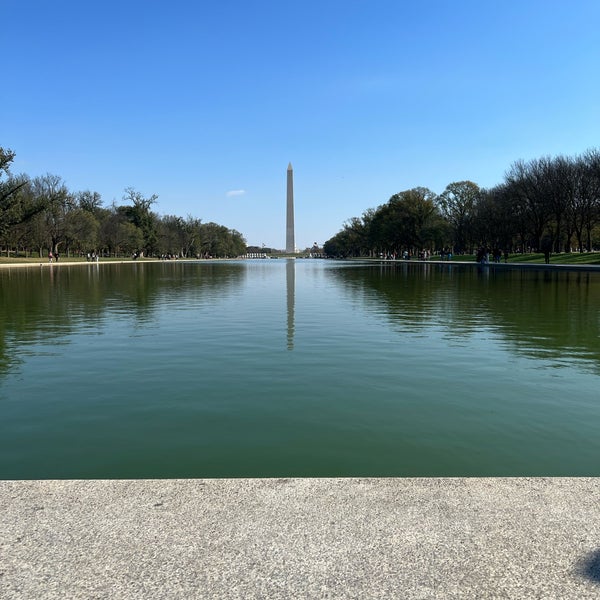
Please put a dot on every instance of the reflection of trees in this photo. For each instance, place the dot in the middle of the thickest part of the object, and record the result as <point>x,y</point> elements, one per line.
<point>43,305</point>
<point>550,313</point>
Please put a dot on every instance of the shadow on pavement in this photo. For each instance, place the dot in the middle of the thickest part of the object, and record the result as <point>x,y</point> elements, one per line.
<point>590,567</point>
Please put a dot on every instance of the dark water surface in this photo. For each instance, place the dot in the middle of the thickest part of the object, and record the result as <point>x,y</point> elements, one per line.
<point>298,368</point>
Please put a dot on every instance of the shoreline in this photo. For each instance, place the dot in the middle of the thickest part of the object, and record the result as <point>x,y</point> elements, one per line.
<point>491,265</point>
<point>46,264</point>
<point>511,265</point>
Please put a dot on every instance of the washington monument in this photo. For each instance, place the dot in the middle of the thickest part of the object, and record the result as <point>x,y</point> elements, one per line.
<point>290,243</point>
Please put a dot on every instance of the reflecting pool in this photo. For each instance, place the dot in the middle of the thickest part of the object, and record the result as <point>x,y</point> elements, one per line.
<point>298,368</point>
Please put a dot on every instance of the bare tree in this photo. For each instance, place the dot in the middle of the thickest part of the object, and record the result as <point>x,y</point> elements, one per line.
<point>527,185</point>
<point>586,205</point>
<point>52,193</point>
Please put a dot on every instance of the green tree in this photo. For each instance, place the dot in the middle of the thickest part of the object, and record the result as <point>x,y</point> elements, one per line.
<point>192,236</point>
<point>179,236</point>
<point>14,207</point>
<point>6,158</point>
<point>81,231</point>
<point>140,215</point>
<point>457,204</point>
<point>171,235</point>
<point>337,246</point>
<point>118,235</point>
<point>220,242</point>
<point>410,221</point>
<point>89,201</point>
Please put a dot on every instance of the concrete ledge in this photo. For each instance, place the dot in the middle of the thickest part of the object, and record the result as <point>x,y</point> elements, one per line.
<point>66,263</point>
<point>491,265</point>
<point>301,538</point>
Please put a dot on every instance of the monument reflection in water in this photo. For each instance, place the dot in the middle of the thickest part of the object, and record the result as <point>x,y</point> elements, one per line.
<point>297,368</point>
<point>290,280</point>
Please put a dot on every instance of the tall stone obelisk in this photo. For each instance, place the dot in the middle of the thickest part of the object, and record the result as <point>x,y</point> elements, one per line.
<point>290,242</point>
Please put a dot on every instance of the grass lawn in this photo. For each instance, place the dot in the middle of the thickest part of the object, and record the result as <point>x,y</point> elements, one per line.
<point>564,258</point>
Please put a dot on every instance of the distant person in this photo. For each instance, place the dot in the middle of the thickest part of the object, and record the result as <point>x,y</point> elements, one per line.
<point>50,256</point>
<point>57,256</point>
<point>546,249</point>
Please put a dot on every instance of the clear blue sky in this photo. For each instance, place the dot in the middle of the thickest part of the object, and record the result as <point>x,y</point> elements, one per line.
<point>205,103</point>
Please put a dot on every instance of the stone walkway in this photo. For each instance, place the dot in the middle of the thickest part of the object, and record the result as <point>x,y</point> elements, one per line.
<point>301,538</point>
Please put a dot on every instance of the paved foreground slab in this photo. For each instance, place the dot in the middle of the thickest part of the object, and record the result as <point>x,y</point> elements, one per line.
<point>301,538</point>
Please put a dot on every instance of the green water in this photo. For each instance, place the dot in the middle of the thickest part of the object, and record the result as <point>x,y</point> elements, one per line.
<point>298,368</point>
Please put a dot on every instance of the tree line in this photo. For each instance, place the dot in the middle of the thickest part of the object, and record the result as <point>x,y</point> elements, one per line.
<point>544,204</point>
<point>40,215</point>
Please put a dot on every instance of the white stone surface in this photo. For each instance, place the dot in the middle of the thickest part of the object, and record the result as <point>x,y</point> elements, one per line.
<point>301,538</point>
